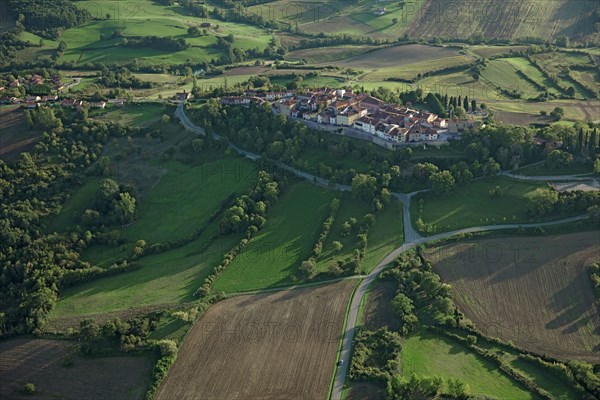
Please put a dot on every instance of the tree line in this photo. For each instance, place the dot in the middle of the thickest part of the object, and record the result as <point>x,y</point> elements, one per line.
<point>48,17</point>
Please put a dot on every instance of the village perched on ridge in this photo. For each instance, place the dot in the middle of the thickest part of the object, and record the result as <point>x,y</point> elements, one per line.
<point>358,111</point>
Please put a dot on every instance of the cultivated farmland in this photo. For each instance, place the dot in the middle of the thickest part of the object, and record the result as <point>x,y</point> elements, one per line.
<point>395,56</point>
<point>266,346</point>
<point>42,362</point>
<point>533,291</point>
<point>503,19</point>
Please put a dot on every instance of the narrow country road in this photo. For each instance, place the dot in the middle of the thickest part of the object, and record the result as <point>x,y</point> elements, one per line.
<point>545,178</point>
<point>412,238</point>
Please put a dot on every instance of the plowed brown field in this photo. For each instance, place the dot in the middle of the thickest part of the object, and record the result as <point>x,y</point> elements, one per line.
<point>534,291</point>
<point>41,362</point>
<point>265,346</point>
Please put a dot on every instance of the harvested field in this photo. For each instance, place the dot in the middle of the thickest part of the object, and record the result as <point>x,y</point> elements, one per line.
<point>518,118</point>
<point>40,361</point>
<point>395,56</point>
<point>503,19</point>
<point>14,137</point>
<point>266,346</point>
<point>533,291</point>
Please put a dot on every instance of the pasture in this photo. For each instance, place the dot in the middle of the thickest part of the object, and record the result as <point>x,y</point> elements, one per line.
<point>533,72</point>
<point>273,257</point>
<point>168,212</point>
<point>386,234</point>
<point>168,277</point>
<point>279,345</point>
<point>339,16</point>
<point>140,115</point>
<point>349,208</point>
<point>574,109</point>
<point>75,205</point>
<point>504,76</point>
<point>41,362</point>
<point>164,212</point>
<point>428,354</point>
<point>535,292</point>
<point>472,206</point>
<point>94,42</point>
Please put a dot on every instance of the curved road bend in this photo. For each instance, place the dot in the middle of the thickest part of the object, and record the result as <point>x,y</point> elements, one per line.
<point>411,239</point>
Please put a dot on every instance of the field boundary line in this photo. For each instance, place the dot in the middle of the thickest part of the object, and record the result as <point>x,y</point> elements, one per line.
<point>294,287</point>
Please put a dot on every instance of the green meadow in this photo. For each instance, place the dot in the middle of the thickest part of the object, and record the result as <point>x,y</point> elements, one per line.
<point>472,206</point>
<point>273,257</point>
<point>169,277</point>
<point>427,354</point>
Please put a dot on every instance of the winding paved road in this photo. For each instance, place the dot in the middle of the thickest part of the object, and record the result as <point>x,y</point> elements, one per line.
<point>411,239</point>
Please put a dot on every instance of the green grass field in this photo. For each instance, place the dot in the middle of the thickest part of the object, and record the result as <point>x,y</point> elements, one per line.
<point>385,235</point>
<point>169,212</point>
<point>426,354</point>
<point>558,389</point>
<point>81,199</point>
<point>340,16</point>
<point>472,206</point>
<point>350,208</point>
<point>146,18</point>
<point>130,114</point>
<point>169,277</point>
<point>523,65</point>
<point>275,254</point>
<point>503,75</point>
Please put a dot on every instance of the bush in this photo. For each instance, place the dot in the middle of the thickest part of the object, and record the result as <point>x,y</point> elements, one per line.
<point>29,388</point>
<point>167,347</point>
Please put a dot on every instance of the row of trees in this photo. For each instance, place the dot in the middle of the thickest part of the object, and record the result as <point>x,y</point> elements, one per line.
<point>309,266</point>
<point>544,202</point>
<point>166,43</point>
<point>248,215</point>
<point>121,78</point>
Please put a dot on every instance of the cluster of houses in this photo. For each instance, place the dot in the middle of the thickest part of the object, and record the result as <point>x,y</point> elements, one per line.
<point>54,83</point>
<point>41,101</point>
<point>358,111</point>
<point>36,80</point>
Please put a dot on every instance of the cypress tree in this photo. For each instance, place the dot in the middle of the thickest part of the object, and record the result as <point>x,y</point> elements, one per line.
<point>579,148</point>
<point>592,143</point>
<point>466,103</point>
<point>473,105</point>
